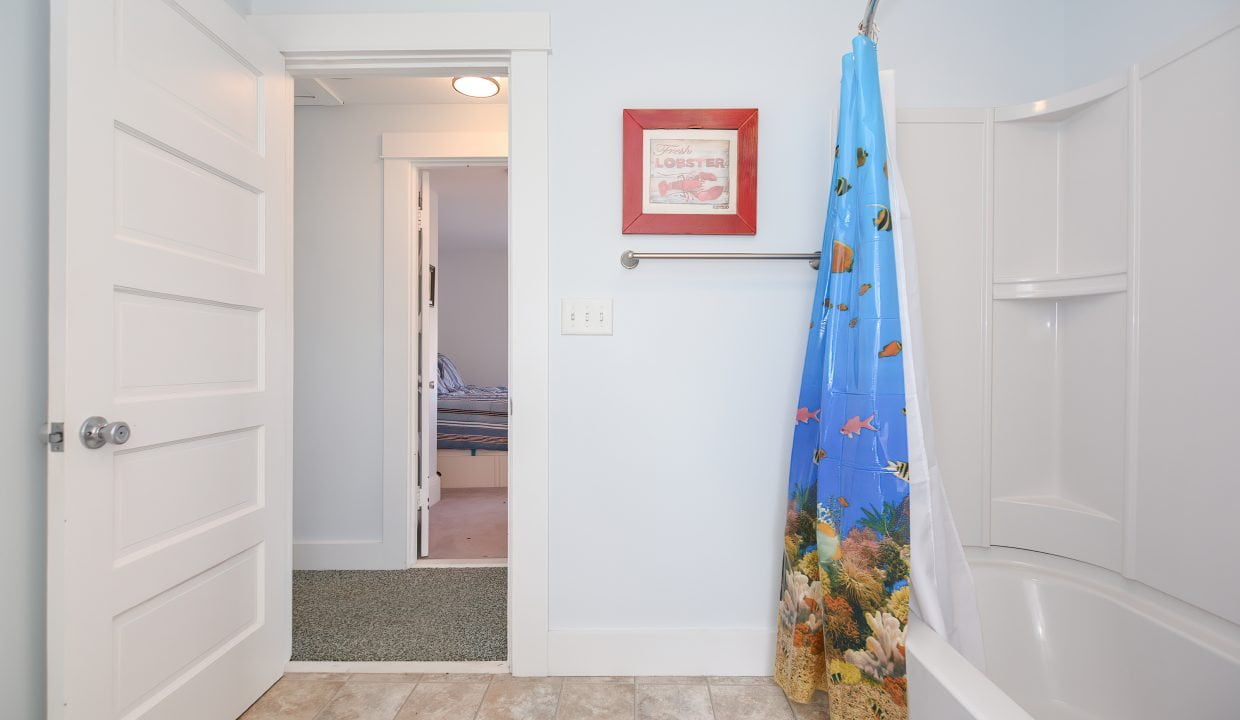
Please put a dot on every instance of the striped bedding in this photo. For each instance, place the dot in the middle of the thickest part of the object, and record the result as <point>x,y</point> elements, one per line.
<point>473,418</point>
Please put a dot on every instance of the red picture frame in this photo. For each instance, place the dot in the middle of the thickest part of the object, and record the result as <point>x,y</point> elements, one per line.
<point>696,182</point>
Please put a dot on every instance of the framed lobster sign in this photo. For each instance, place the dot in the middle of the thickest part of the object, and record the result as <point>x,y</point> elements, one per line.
<point>691,172</point>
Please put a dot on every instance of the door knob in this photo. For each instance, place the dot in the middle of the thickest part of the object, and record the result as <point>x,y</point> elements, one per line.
<point>97,432</point>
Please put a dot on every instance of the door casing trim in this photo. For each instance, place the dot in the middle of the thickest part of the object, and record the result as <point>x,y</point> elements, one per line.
<point>516,44</point>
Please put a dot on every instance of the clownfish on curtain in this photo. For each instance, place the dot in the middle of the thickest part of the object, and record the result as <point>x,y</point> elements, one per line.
<point>863,493</point>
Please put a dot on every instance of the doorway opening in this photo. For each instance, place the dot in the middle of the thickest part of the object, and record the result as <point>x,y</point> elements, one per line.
<point>402,227</point>
<point>465,240</point>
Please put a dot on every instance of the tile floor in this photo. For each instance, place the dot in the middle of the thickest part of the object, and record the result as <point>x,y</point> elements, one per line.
<point>470,523</point>
<point>366,696</point>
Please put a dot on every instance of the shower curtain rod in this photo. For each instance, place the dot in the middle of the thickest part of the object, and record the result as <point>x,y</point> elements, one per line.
<point>629,259</point>
<point>867,26</point>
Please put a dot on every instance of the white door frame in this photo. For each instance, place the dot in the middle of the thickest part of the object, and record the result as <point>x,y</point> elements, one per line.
<point>404,156</point>
<point>517,45</point>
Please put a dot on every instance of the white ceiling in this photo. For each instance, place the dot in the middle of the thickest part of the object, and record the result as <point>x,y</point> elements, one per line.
<point>387,90</point>
<point>473,207</point>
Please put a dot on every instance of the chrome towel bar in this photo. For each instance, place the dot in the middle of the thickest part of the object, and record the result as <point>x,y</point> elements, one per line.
<point>629,259</point>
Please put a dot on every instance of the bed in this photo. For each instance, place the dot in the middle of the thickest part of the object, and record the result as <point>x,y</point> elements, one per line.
<point>471,417</point>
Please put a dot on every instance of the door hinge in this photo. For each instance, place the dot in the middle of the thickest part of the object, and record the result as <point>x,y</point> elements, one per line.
<point>54,435</point>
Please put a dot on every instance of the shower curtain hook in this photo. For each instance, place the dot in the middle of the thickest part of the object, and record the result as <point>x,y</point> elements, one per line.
<point>867,26</point>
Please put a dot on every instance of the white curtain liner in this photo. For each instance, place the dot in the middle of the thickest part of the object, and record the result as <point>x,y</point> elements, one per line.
<point>943,595</point>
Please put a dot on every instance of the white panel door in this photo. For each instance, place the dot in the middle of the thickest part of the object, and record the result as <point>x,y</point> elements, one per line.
<point>428,338</point>
<point>169,570</point>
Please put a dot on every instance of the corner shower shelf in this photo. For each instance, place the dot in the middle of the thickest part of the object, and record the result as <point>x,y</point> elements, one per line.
<point>1062,106</point>
<point>1059,322</point>
<point>1060,287</point>
<point>1060,190</point>
<point>1059,526</point>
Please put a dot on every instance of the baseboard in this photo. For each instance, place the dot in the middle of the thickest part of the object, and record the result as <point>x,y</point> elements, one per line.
<point>458,563</point>
<point>308,666</point>
<point>662,651</point>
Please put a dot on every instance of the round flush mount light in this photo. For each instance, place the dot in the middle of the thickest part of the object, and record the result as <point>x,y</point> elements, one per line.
<point>474,86</point>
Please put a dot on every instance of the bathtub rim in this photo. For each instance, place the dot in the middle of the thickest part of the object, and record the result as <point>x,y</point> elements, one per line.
<point>1206,630</point>
<point>982,697</point>
<point>977,693</point>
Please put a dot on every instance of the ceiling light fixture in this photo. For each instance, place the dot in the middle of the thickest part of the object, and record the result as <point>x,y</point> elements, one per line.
<point>475,87</point>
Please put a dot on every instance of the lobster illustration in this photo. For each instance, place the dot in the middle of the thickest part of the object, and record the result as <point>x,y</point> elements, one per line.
<point>694,186</point>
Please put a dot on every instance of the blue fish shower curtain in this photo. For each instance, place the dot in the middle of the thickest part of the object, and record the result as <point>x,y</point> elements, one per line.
<point>845,596</point>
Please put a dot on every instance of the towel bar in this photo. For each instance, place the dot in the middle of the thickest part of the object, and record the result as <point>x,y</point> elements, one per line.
<point>629,259</point>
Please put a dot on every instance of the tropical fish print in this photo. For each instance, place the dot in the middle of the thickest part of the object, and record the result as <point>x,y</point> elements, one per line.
<point>899,468</point>
<point>852,427</point>
<point>844,593</point>
<point>841,257</point>
<point>829,542</point>
<point>882,220</point>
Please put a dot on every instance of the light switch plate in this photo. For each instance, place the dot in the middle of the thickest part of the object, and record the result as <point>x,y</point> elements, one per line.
<point>585,316</point>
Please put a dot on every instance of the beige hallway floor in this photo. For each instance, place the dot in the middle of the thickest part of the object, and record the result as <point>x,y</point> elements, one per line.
<point>325,696</point>
<point>470,523</point>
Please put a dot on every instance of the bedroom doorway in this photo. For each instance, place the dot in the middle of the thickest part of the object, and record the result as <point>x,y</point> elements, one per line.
<point>463,334</point>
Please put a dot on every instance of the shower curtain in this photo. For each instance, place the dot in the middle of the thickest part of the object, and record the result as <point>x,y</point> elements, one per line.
<point>866,511</point>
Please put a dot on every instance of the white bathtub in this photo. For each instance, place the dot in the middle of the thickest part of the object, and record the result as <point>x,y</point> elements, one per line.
<point>1071,641</point>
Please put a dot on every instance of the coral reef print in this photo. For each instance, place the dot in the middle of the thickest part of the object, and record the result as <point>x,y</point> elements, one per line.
<point>844,598</point>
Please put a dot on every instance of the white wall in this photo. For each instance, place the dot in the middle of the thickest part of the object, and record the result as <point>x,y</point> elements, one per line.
<point>473,270</point>
<point>23,358</point>
<point>339,309</point>
<point>681,418</point>
<point>473,312</point>
<point>1105,36</point>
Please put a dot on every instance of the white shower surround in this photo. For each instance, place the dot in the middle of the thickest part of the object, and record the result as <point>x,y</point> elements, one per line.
<point>1098,607</point>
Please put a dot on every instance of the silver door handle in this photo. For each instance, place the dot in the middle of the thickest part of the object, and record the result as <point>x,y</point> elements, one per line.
<point>97,432</point>
<point>432,384</point>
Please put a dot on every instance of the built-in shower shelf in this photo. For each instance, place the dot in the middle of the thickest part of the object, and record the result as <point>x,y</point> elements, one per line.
<point>1057,525</point>
<point>1043,288</point>
<point>1062,106</point>
<point>1056,502</point>
<point>1059,322</point>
